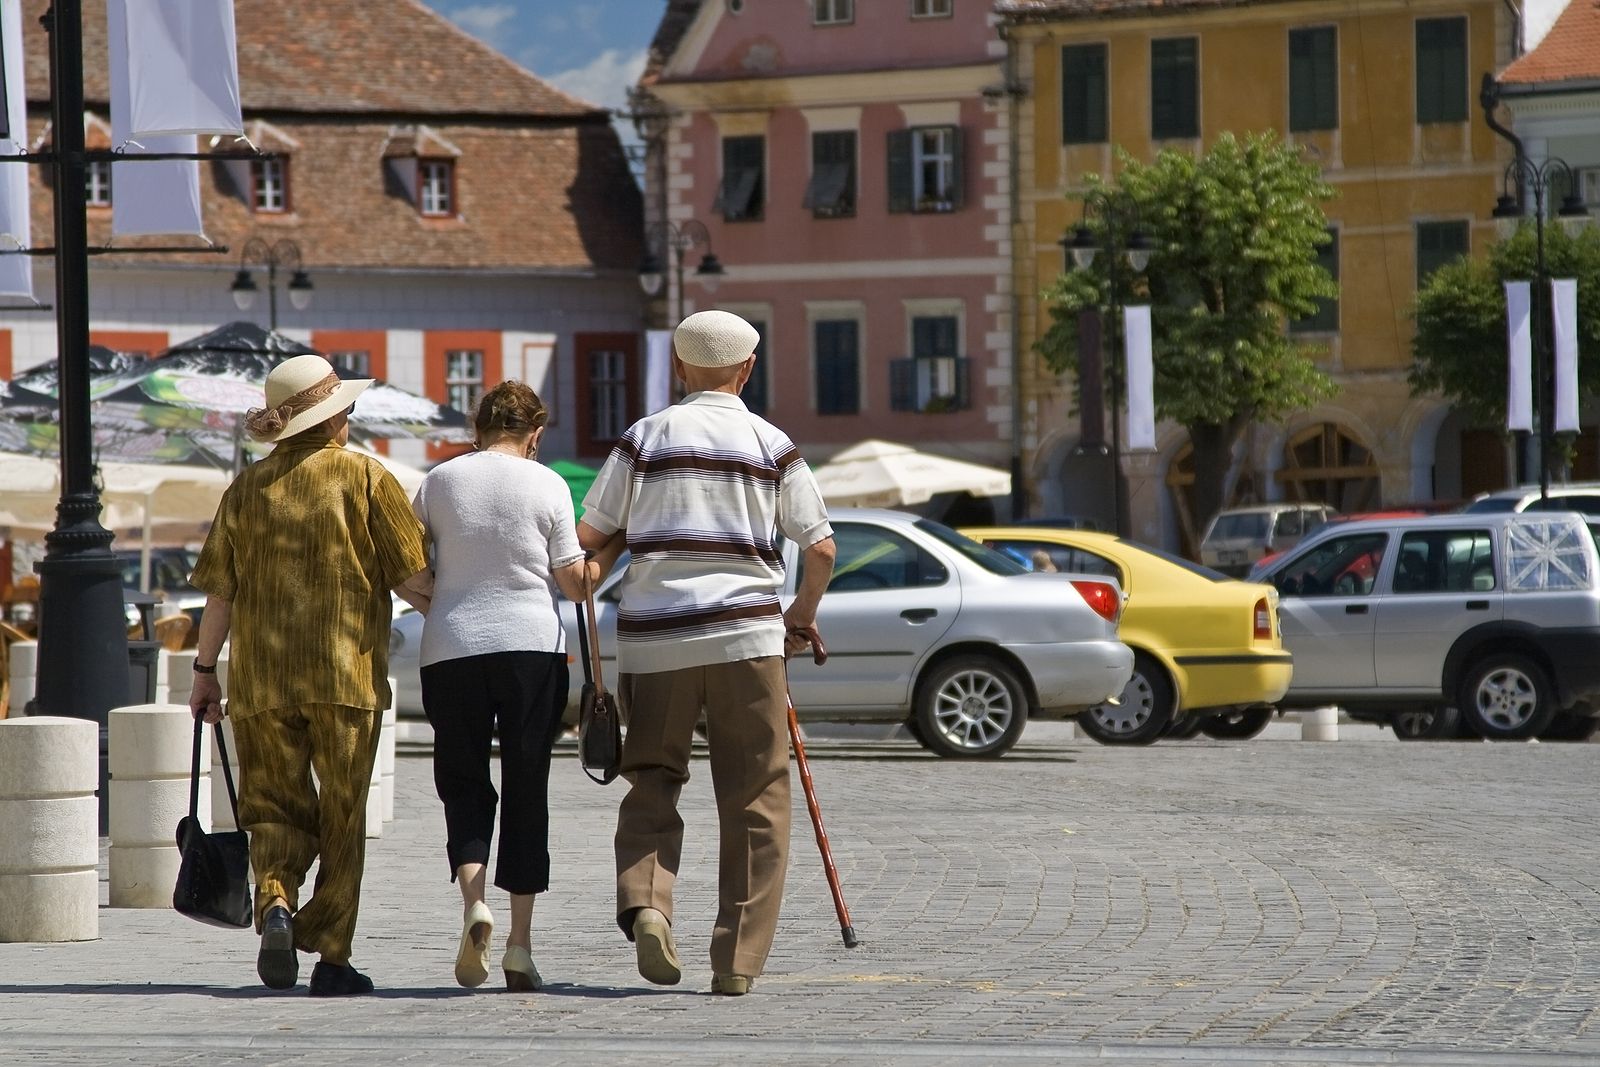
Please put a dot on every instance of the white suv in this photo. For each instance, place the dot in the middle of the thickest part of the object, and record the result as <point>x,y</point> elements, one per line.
<point>1238,537</point>
<point>1492,617</point>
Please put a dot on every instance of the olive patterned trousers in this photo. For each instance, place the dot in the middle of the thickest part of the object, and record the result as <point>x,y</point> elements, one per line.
<point>293,820</point>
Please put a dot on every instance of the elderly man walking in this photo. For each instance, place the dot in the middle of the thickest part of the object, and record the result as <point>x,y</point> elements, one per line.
<point>700,491</point>
<point>298,566</point>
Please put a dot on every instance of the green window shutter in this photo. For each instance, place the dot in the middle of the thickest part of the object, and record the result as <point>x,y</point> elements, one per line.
<point>1326,318</point>
<point>754,393</point>
<point>1313,79</point>
<point>958,169</point>
<point>1083,94</point>
<point>1439,243</point>
<point>899,154</point>
<point>838,367</point>
<point>1174,88</point>
<point>1441,61</point>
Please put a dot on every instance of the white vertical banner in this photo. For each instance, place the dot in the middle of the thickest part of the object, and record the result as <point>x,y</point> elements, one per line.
<point>183,67</point>
<point>657,370</point>
<point>1140,379</point>
<point>1564,312</point>
<point>160,197</point>
<point>16,271</point>
<point>1519,358</point>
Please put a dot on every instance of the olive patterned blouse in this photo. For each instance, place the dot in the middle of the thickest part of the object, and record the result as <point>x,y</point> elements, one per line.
<point>306,545</point>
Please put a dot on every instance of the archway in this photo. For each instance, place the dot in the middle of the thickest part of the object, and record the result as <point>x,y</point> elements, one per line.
<point>1327,463</point>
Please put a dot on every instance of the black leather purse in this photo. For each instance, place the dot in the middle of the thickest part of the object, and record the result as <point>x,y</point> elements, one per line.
<point>214,875</point>
<point>599,723</point>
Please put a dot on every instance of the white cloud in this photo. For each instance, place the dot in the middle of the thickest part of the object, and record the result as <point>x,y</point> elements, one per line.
<point>484,21</point>
<point>605,79</point>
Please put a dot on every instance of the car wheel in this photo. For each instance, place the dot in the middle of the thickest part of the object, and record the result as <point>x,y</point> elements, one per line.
<point>1240,724</point>
<point>916,732</point>
<point>1425,724</point>
<point>1507,697</point>
<point>970,707</point>
<point>1146,708</point>
<point>1183,729</point>
<point>1570,727</point>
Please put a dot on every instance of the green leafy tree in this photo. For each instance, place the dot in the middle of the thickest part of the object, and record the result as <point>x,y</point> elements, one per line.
<point>1236,234</point>
<point>1460,342</point>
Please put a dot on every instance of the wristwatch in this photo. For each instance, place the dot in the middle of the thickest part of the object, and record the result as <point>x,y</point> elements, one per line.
<point>201,668</point>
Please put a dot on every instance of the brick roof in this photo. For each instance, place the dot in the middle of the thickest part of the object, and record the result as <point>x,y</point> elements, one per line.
<point>361,56</point>
<point>1070,10</point>
<point>1569,52</point>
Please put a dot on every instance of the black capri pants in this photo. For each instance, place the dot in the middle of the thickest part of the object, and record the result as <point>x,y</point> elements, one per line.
<point>524,695</point>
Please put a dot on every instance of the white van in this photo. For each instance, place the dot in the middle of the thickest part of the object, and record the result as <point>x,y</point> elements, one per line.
<point>1238,537</point>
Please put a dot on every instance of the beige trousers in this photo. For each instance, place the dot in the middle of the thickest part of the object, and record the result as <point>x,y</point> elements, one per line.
<point>293,821</point>
<point>747,732</point>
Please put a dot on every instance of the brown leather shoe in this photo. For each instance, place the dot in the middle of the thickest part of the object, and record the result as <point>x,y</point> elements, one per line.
<point>731,985</point>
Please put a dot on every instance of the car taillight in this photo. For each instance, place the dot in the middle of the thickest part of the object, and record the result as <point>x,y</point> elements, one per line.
<point>1101,596</point>
<point>1263,620</point>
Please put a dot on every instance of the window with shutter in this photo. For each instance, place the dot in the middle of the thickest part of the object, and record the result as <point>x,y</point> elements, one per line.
<point>754,393</point>
<point>1326,318</point>
<point>901,196</point>
<point>1441,70</point>
<point>1314,79</point>
<point>838,363</point>
<point>1083,94</point>
<point>1439,243</point>
<point>1174,88</point>
<point>742,195</point>
<point>831,193</point>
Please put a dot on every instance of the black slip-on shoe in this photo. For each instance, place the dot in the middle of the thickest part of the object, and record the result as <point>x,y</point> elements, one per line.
<point>277,963</point>
<point>338,980</point>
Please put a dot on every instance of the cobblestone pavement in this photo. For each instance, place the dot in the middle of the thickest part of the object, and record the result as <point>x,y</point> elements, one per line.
<point>1264,902</point>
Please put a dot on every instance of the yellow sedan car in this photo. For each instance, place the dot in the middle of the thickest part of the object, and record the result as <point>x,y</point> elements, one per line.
<point>1208,654</point>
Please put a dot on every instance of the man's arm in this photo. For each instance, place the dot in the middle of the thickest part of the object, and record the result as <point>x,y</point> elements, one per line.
<point>814,578</point>
<point>603,550</point>
<point>205,701</point>
<point>417,590</point>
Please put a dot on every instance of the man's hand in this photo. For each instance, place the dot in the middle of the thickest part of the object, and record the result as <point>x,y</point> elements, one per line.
<point>205,701</point>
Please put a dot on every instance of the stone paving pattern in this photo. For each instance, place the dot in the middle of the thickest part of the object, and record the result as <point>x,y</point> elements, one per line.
<point>1260,902</point>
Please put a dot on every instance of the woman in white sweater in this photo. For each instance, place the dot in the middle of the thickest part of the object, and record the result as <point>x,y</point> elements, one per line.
<point>494,658</point>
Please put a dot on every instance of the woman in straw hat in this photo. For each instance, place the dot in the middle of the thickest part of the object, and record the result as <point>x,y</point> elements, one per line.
<point>298,565</point>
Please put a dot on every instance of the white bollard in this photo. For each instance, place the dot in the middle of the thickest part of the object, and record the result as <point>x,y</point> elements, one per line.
<point>174,676</point>
<point>221,806</point>
<point>150,747</point>
<point>1319,724</point>
<point>24,664</point>
<point>49,829</point>
<point>375,790</point>
<point>386,738</point>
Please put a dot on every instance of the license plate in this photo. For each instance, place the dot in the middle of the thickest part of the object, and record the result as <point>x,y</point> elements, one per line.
<point>1230,555</point>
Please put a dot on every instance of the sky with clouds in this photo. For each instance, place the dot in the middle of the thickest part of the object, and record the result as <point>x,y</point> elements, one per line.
<point>593,49</point>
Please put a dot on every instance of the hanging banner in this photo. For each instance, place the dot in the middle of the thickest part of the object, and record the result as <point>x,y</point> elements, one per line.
<point>1564,312</point>
<point>1519,358</point>
<point>16,271</point>
<point>657,370</point>
<point>1140,379</point>
<point>183,66</point>
<point>161,197</point>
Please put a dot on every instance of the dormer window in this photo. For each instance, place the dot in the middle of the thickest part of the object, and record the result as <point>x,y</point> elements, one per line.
<point>436,187</point>
<point>269,186</point>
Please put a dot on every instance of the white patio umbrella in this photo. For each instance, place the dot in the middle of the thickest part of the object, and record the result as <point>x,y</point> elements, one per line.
<point>882,474</point>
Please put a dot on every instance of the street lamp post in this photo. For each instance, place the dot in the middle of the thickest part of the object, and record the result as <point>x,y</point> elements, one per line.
<point>676,241</point>
<point>1122,237</point>
<point>281,253</point>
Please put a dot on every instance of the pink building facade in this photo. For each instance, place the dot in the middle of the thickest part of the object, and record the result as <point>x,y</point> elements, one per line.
<point>849,164</point>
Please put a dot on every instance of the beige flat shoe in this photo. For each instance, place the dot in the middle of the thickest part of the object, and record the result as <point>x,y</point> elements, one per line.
<point>731,985</point>
<point>472,959</point>
<point>652,942</point>
<point>521,975</point>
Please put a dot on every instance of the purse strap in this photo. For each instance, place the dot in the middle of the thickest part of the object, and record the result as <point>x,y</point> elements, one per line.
<point>583,641</point>
<point>194,772</point>
<point>591,647</point>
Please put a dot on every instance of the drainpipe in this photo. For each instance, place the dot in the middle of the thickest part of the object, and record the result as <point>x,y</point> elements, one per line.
<point>1019,493</point>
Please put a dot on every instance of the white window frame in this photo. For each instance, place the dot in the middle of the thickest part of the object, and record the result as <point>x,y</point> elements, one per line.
<point>1588,182</point>
<point>832,12</point>
<point>357,361</point>
<point>97,183</point>
<point>932,9</point>
<point>269,186</point>
<point>608,393</point>
<point>944,159</point>
<point>436,187</point>
<point>930,370</point>
<point>463,378</point>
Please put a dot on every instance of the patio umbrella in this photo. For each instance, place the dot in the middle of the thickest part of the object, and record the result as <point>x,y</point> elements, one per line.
<point>887,475</point>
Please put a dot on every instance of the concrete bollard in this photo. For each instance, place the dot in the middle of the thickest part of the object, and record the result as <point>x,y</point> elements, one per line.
<point>174,676</point>
<point>389,732</point>
<point>150,750</point>
<point>49,829</point>
<point>375,800</point>
<point>1319,724</point>
<point>221,806</point>
<point>24,664</point>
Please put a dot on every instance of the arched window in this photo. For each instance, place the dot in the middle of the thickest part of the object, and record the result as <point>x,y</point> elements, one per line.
<point>1327,463</point>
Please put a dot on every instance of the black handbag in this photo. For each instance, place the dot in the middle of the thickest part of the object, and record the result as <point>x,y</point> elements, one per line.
<point>599,723</point>
<point>214,875</point>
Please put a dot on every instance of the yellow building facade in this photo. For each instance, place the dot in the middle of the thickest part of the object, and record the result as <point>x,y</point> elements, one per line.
<point>1384,96</point>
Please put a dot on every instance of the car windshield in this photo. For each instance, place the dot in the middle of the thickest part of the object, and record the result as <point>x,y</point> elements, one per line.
<point>987,558</point>
<point>1178,561</point>
<point>1240,526</point>
<point>169,569</point>
<point>1493,504</point>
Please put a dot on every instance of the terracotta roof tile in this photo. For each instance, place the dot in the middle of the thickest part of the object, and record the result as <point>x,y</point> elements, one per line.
<point>343,56</point>
<point>1569,52</point>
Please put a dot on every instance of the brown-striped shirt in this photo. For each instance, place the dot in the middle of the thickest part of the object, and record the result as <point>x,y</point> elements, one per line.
<point>307,545</point>
<point>702,488</point>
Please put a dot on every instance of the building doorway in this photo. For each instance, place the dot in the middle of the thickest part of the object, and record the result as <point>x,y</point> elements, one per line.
<point>1328,464</point>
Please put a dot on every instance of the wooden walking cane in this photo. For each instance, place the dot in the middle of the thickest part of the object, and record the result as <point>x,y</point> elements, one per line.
<point>819,655</point>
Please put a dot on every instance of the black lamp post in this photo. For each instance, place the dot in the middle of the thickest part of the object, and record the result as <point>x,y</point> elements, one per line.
<point>676,241</point>
<point>1121,236</point>
<point>282,253</point>
<point>1539,179</point>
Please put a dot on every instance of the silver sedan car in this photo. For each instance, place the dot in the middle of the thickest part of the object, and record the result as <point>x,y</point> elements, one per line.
<point>923,626</point>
